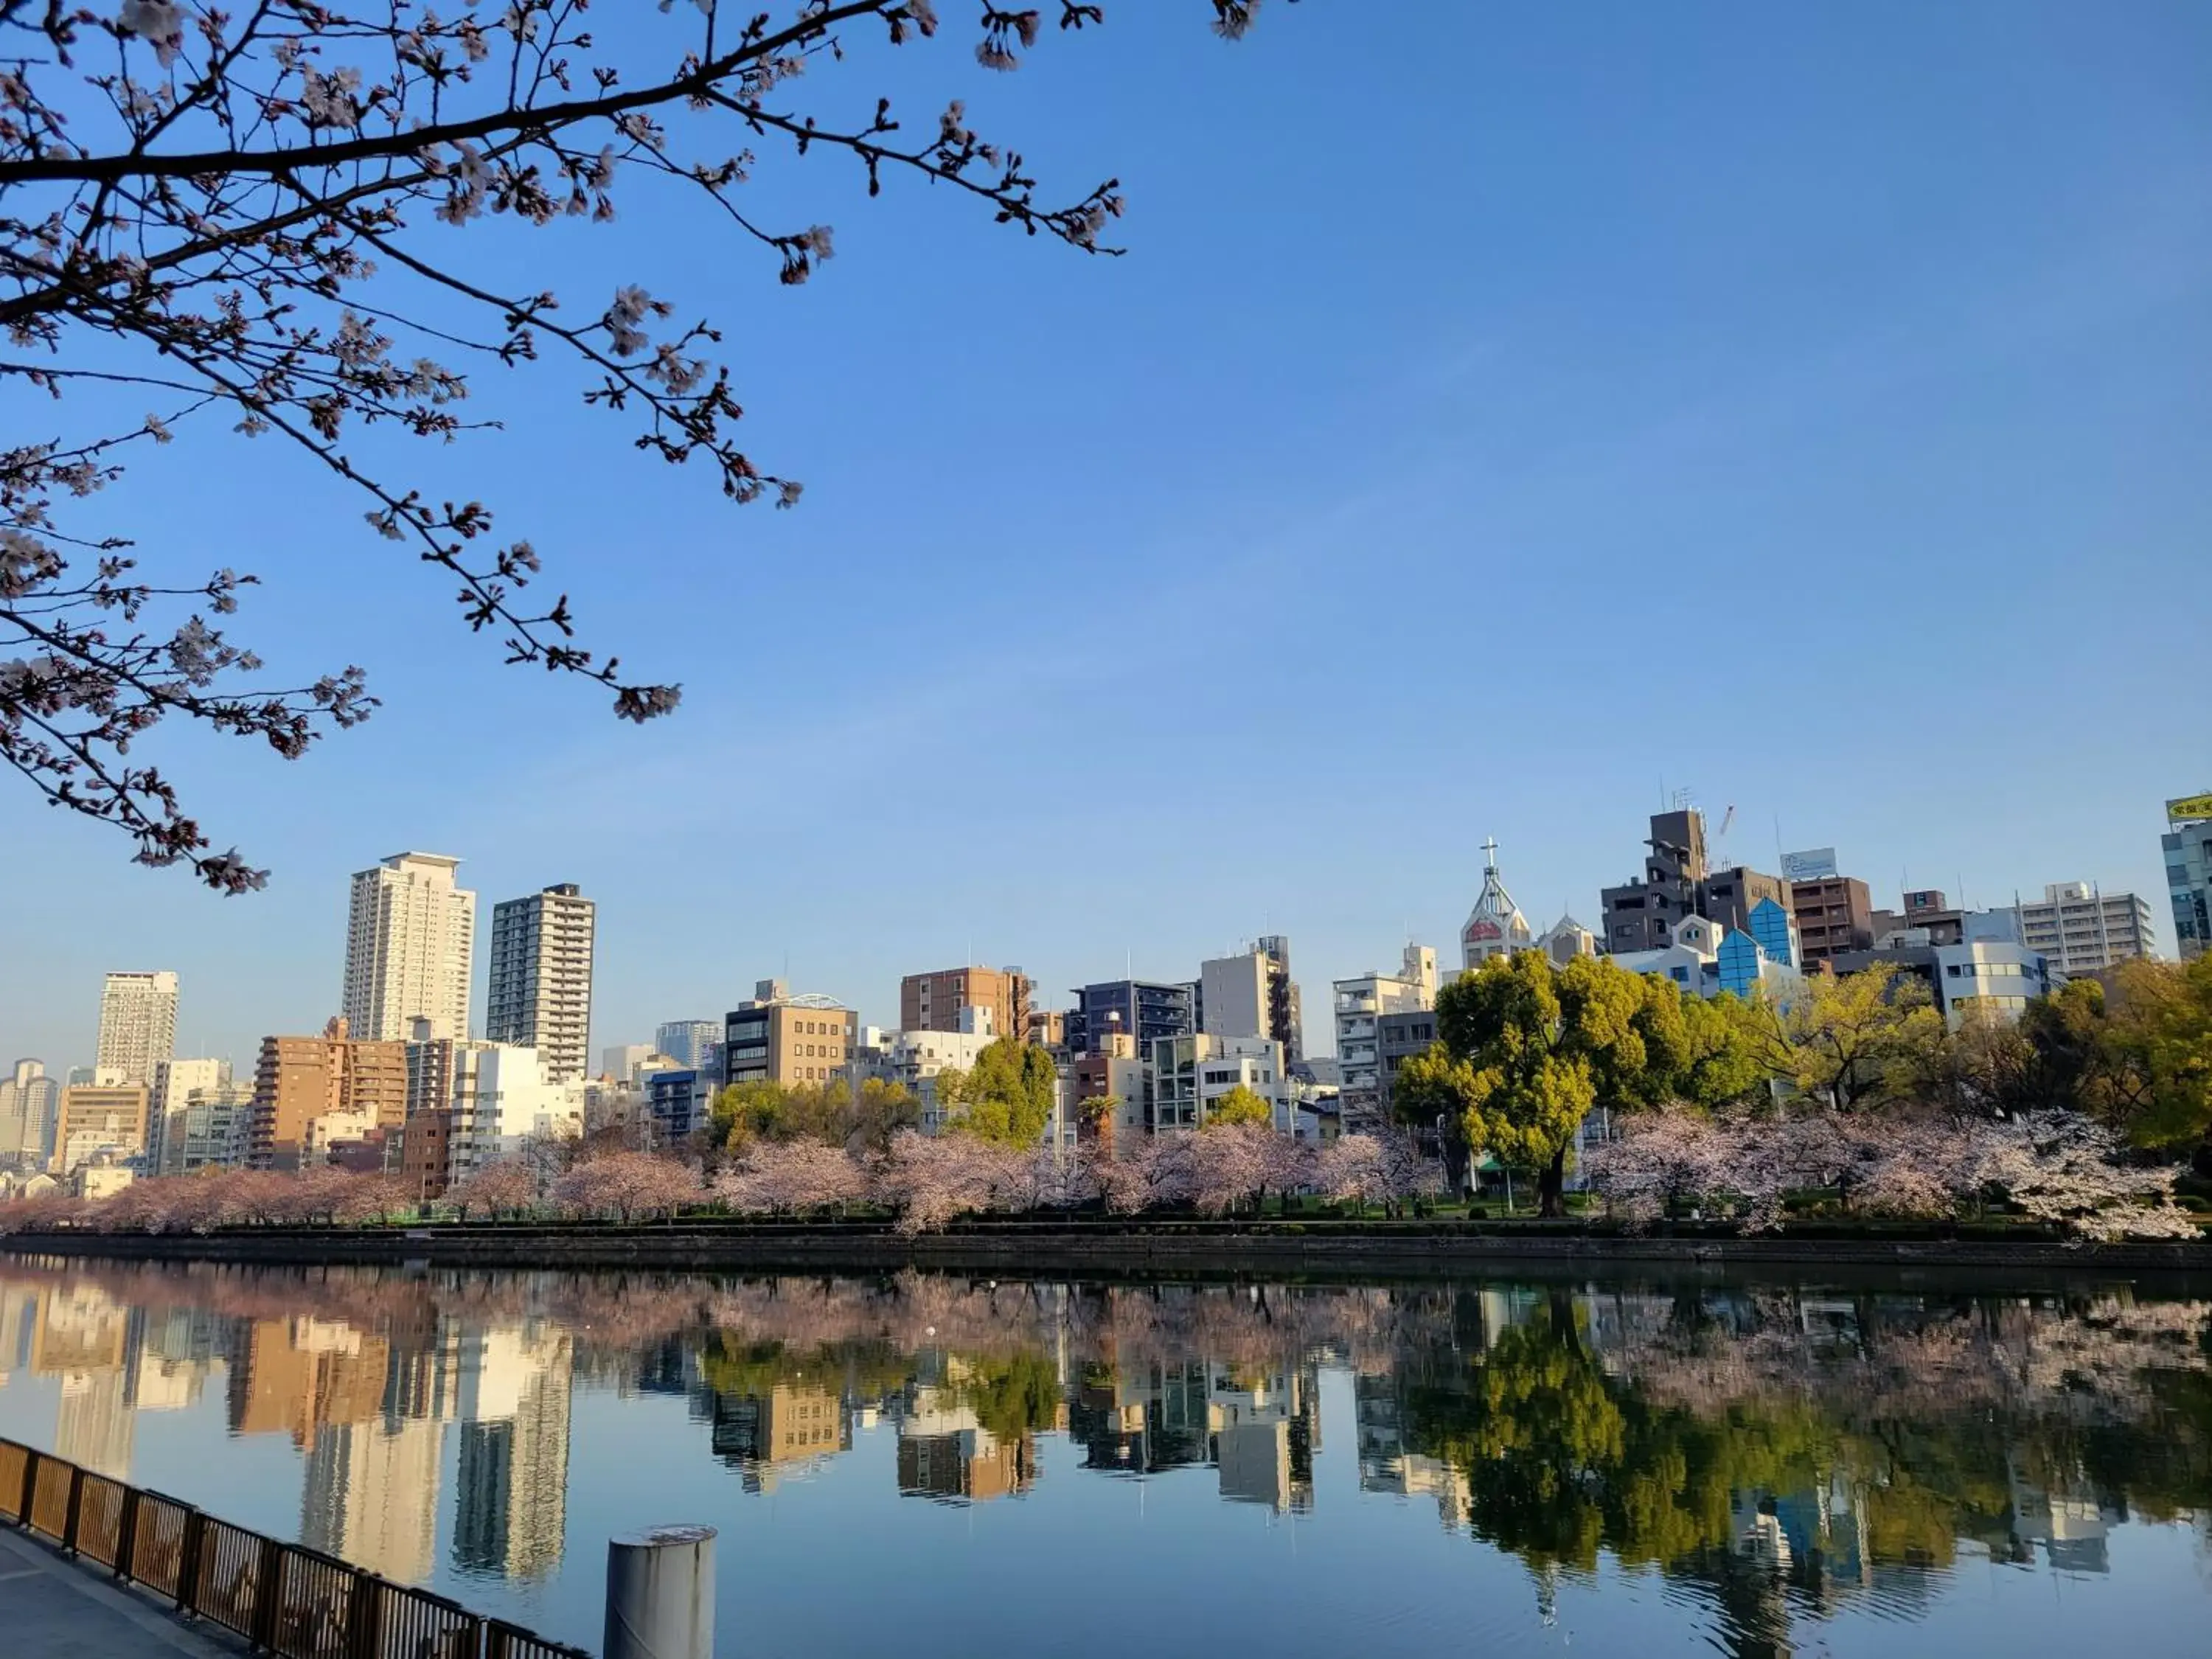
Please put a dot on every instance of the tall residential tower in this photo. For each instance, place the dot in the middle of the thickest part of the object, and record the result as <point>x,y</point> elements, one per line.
<point>409,940</point>
<point>541,978</point>
<point>137,1026</point>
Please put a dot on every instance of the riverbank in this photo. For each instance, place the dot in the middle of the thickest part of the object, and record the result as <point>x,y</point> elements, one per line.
<point>1017,1248</point>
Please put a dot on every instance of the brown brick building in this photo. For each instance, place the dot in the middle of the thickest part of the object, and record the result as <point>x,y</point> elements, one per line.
<point>778,1038</point>
<point>1834,914</point>
<point>934,1002</point>
<point>300,1080</point>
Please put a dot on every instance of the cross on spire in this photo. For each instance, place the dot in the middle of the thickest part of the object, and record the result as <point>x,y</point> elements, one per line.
<point>1490,852</point>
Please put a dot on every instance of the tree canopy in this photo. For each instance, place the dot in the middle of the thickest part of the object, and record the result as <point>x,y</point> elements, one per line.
<point>1240,1105</point>
<point>1006,1098</point>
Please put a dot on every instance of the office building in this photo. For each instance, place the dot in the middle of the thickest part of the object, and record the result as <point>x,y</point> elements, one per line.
<point>1732,897</point>
<point>409,934</point>
<point>1495,928</point>
<point>1253,995</point>
<point>430,1067</point>
<point>1834,914</point>
<point>2079,929</point>
<point>503,1100</point>
<point>100,1118</point>
<point>1190,1073</point>
<point>29,1100</point>
<point>1147,1009</point>
<point>780,1038</point>
<point>310,1092</point>
<point>137,1026</point>
<point>689,1042</point>
<point>1991,978</point>
<point>540,991</point>
<point>179,1087</point>
<point>2187,844</point>
<point>935,1002</point>
<point>1359,1004</point>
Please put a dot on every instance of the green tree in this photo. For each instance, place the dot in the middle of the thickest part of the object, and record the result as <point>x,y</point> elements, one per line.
<point>883,1109</point>
<point>1005,1098</point>
<point>1854,1041</point>
<point>2140,1060</point>
<point>1239,1105</point>
<point>1526,1049</point>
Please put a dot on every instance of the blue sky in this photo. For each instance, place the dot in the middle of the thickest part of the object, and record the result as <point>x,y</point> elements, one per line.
<point>1501,416</point>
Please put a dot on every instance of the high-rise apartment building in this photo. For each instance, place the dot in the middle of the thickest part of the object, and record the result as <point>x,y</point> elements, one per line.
<point>2078,929</point>
<point>541,978</point>
<point>311,1091</point>
<point>689,1043</point>
<point>934,1002</point>
<point>1253,995</point>
<point>410,935</point>
<point>137,1026</point>
<point>29,1100</point>
<point>2187,844</point>
<point>778,1038</point>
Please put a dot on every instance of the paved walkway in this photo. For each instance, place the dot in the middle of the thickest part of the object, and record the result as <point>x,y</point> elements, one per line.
<point>51,1608</point>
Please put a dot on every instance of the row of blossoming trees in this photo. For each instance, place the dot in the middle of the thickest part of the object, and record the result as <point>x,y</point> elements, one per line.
<point>922,1181</point>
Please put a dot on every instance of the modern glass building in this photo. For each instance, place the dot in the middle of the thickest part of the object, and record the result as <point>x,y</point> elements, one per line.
<point>2188,845</point>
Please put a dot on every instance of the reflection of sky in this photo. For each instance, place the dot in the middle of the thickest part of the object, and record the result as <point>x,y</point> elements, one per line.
<point>831,1559</point>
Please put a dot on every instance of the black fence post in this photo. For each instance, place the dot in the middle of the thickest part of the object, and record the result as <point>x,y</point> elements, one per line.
<point>70,1509</point>
<point>364,1637</point>
<point>30,1489</point>
<point>268,1594</point>
<point>126,1535</point>
<point>188,1563</point>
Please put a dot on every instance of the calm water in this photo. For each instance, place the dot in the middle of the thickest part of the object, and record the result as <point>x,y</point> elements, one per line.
<point>932,1466</point>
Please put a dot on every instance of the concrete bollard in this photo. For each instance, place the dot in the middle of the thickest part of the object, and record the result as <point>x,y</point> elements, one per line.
<point>660,1594</point>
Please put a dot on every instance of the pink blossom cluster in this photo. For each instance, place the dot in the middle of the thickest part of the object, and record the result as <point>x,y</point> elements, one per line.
<point>2054,1166</point>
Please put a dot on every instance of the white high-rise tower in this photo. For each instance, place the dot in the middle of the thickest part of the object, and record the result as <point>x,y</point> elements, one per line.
<point>138,1026</point>
<point>410,937</point>
<point>540,994</point>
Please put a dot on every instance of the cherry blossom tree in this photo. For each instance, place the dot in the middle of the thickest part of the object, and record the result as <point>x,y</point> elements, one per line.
<point>626,1186</point>
<point>930,1180</point>
<point>237,221</point>
<point>504,1187</point>
<point>1383,1169</point>
<point>2073,1170</point>
<point>792,1176</point>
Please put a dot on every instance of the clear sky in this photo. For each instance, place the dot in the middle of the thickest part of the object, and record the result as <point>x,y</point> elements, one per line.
<point>1505,414</point>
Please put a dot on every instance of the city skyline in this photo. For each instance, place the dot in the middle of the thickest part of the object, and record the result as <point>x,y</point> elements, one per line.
<point>881,1007</point>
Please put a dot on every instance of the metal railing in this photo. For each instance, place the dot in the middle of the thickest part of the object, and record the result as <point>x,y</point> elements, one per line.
<point>282,1598</point>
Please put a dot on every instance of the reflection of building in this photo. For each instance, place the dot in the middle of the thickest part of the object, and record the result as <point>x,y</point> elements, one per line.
<point>2066,1517</point>
<point>511,1499</point>
<point>787,1426</point>
<point>300,1376</point>
<point>90,1341</point>
<point>965,1465</point>
<point>370,1496</point>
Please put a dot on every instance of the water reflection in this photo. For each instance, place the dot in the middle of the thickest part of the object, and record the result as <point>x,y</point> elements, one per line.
<point>1779,1457</point>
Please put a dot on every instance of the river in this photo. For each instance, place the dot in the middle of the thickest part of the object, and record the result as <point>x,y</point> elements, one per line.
<point>926,1465</point>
